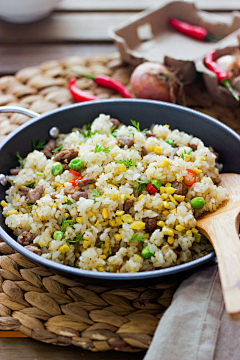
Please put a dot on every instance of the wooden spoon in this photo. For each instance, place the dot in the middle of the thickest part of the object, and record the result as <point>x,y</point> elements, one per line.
<point>222,229</point>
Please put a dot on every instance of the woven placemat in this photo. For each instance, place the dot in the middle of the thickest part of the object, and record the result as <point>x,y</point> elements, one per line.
<point>54,309</point>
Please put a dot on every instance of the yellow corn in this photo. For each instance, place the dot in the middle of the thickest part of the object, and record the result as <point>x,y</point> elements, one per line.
<point>127,196</point>
<point>173,211</point>
<point>189,232</point>
<point>114,196</point>
<point>173,200</point>
<point>12,212</point>
<point>162,190</point>
<point>64,249</point>
<point>202,158</point>
<point>66,215</point>
<point>122,167</point>
<point>146,236</point>
<point>166,204</point>
<point>3,203</point>
<point>79,219</point>
<point>157,150</point>
<point>165,213</point>
<point>140,197</point>
<point>91,187</point>
<point>102,256</point>
<point>207,204</point>
<point>167,231</point>
<point>55,205</point>
<point>167,126</point>
<point>214,207</point>
<point>194,230</point>
<point>77,255</point>
<point>91,213</point>
<point>118,237</point>
<point>167,185</point>
<point>137,225</point>
<point>161,223</point>
<point>179,197</point>
<point>105,213</point>
<point>149,149</point>
<point>187,157</point>
<point>100,268</point>
<point>86,244</point>
<point>197,171</point>
<point>118,220</point>
<point>119,212</point>
<point>127,218</point>
<point>170,240</point>
<point>57,184</point>
<point>164,196</point>
<point>113,186</point>
<point>137,258</point>
<point>180,228</point>
<point>40,244</point>
<point>97,223</point>
<point>111,268</point>
<point>165,163</point>
<point>105,223</point>
<point>112,223</point>
<point>170,190</point>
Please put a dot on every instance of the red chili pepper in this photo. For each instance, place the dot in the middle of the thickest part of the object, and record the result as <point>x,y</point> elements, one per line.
<point>77,94</point>
<point>107,82</point>
<point>73,182</point>
<point>193,31</point>
<point>222,76</point>
<point>190,179</point>
<point>151,189</point>
<point>74,172</point>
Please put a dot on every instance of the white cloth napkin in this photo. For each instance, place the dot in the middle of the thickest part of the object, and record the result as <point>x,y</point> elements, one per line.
<point>196,325</point>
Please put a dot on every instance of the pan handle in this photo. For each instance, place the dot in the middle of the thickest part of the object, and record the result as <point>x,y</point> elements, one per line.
<point>18,109</point>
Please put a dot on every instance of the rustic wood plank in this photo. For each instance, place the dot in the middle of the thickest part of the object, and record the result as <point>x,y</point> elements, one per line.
<point>138,5</point>
<point>28,349</point>
<point>16,57</point>
<point>62,27</point>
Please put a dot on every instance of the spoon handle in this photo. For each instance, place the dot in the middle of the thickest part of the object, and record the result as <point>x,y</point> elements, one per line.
<point>224,236</point>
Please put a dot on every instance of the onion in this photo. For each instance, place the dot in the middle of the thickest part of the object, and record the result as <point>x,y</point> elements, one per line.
<point>154,81</point>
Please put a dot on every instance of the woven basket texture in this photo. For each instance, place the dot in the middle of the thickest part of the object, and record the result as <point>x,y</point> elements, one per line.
<point>55,309</point>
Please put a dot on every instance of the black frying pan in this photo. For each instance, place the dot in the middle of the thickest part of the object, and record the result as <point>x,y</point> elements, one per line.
<point>224,140</point>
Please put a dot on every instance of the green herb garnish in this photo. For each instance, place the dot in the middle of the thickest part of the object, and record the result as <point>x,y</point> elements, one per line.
<point>170,142</point>
<point>39,173</point>
<point>89,133</point>
<point>137,126</point>
<point>30,185</point>
<point>78,237</point>
<point>99,148</point>
<point>135,237</point>
<point>39,145</point>
<point>186,153</point>
<point>91,230</point>
<point>113,132</point>
<point>58,149</point>
<point>96,194</point>
<point>99,243</point>
<point>142,185</point>
<point>32,205</point>
<point>66,223</point>
<point>68,202</point>
<point>128,163</point>
<point>20,159</point>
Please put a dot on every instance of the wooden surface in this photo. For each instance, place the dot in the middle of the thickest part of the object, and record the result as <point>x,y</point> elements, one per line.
<point>77,27</point>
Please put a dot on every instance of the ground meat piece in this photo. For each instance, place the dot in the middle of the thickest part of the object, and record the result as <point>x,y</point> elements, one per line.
<point>48,148</point>
<point>214,152</point>
<point>34,249</point>
<point>178,186</point>
<point>84,182</point>
<point>115,249</point>
<point>25,238</point>
<point>34,194</point>
<point>115,123</point>
<point>192,146</point>
<point>65,166</point>
<point>66,155</point>
<point>128,204</point>
<point>125,140</point>
<point>15,171</point>
<point>24,190</point>
<point>54,196</point>
<point>150,223</point>
<point>149,134</point>
<point>144,151</point>
<point>79,194</point>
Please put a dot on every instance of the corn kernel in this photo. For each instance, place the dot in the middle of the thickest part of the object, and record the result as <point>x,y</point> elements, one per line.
<point>214,207</point>
<point>194,230</point>
<point>112,223</point>
<point>140,197</point>
<point>105,223</point>
<point>91,213</point>
<point>168,184</point>
<point>197,239</point>
<point>197,171</point>
<point>97,223</point>
<point>166,204</point>
<point>133,271</point>
<point>119,212</point>
<point>167,126</point>
<point>122,168</point>
<point>170,190</point>
<point>118,220</point>
<point>64,249</point>
<point>12,212</point>
<point>149,149</point>
<point>57,184</point>
<point>137,258</point>
<point>86,244</point>
<point>105,213</point>
<point>187,157</point>
<point>147,236</point>
<point>161,223</point>
<point>179,197</point>
<point>173,211</point>
<point>100,268</point>
<point>127,196</point>
<point>189,232</point>
<point>118,237</point>
<point>77,255</point>
<point>41,244</point>
<point>157,150</point>
<point>207,204</point>
<point>111,268</point>
<point>79,219</point>
<point>164,196</point>
<point>165,213</point>
<point>202,158</point>
<point>137,225</point>
<point>180,228</point>
<point>102,256</point>
<point>91,187</point>
<point>165,163</point>
<point>3,203</point>
<point>162,190</point>
<point>167,231</point>
<point>127,218</point>
<point>173,200</point>
<point>170,240</point>
<point>114,196</point>
<point>55,205</point>
<point>66,215</point>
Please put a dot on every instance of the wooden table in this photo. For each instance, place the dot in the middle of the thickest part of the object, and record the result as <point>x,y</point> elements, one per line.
<point>77,27</point>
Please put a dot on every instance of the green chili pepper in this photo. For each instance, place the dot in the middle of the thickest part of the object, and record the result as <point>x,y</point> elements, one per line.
<point>156,183</point>
<point>76,164</point>
<point>57,169</point>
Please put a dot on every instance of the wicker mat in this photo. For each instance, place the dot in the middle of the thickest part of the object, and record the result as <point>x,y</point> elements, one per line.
<point>54,309</point>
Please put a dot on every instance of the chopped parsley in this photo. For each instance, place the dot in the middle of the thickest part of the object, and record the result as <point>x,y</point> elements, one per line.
<point>142,185</point>
<point>170,142</point>
<point>57,149</point>
<point>91,230</point>
<point>20,159</point>
<point>99,243</point>
<point>78,237</point>
<point>96,194</point>
<point>68,202</point>
<point>113,132</point>
<point>30,185</point>
<point>186,153</point>
<point>66,223</point>
<point>99,148</point>
<point>128,163</point>
<point>32,205</point>
<point>135,237</point>
<point>137,125</point>
<point>39,145</point>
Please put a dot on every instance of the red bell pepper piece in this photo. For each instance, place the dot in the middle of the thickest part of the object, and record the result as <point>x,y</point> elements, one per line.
<point>151,189</point>
<point>190,179</point>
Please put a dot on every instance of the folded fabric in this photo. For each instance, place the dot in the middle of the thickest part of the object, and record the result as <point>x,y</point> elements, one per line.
<point>196,325</point>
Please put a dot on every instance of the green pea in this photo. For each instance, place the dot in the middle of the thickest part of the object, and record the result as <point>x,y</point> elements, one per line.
<point>57,169</point>
<point>146,254</point>
<point>198,203</point>
<point>156,183</point>
<point>170,142</point>
<point>76,164</point>
<point>58,235</point>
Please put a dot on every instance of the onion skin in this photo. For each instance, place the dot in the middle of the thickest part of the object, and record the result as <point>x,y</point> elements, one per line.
<point>154,81</point>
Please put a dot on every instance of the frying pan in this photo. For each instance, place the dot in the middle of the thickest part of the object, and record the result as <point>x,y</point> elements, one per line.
<point>224,140</point>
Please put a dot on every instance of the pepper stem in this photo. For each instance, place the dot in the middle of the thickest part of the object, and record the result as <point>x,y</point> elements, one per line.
<point>227,84</point>
<point>90,76</point>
